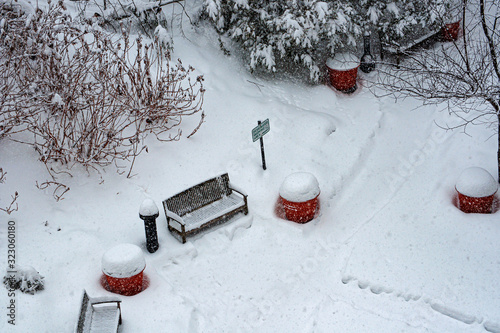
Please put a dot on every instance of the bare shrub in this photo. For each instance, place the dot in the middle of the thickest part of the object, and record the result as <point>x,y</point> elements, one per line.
<point>86,97</point>
<point>464,73</point>
<point>146,16</point>
<point>12,207</point>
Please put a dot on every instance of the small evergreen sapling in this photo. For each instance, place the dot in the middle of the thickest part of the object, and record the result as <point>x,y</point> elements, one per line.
<point>25,279</point>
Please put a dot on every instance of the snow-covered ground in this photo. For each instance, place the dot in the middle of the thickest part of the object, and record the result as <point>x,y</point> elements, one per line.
<point>389,251</point>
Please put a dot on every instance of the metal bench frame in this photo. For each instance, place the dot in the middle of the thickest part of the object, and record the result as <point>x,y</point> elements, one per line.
<point>87,311</point>
<point>207,193</point>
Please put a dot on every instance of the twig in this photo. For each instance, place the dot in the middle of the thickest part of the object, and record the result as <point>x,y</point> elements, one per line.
<point>202,120</point>
<point>257,84</point>
<point>10,209</point>
<point>59,191</point>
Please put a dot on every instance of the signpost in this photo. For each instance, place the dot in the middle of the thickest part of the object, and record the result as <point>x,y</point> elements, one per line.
<point>258,132</point>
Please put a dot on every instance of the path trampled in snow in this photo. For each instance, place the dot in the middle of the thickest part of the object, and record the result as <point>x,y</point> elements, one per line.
<point>389,251</point>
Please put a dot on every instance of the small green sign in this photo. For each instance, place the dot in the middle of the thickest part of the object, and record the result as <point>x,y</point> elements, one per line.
<point>260,130</point>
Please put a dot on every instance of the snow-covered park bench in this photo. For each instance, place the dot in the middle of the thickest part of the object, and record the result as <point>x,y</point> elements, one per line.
<point>204,206</point>
<point>400,48</point>
<point>99,315</point>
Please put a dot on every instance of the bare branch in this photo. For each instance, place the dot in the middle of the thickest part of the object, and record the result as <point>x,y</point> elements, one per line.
<point>465,73</point>
<point>58,192</point>
<point>486,30</point>
<point>10,208</point>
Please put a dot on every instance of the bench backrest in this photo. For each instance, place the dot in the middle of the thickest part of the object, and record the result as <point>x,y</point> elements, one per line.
<point>85,314</point>
<point>199,195</point>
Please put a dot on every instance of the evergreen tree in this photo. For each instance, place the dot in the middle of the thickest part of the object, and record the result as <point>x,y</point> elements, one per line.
<point>275,34</point>
<point>403,20</point>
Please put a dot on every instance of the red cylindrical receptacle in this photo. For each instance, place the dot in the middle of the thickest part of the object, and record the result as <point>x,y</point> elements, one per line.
<point>299,193</point>
<point>300,212</point>
<point>343,71</point>
<point>483,205</point>
<point>450,31</point>
<point>476,190</point>
<point>123,267</point>
<point>126,286</point>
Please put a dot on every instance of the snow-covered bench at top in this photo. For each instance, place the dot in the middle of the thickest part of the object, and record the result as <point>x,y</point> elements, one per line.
<point>401,48</point>
<point>99,315</point>
<point>203,206</point>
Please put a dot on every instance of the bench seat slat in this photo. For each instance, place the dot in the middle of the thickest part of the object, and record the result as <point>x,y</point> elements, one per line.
<point>99,314</point>
<point>105,318</point>
<point>220,207</point>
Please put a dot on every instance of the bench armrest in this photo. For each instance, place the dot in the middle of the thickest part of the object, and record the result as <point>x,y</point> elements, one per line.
<point>104,299</point>
<point>237,189</point>
<point>174,216</point>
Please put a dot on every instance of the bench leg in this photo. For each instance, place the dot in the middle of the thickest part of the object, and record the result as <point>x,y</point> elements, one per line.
<point>246,206</point>
<point>183,234</point>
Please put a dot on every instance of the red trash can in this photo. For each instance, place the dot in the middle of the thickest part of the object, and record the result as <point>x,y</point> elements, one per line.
<point>123,267</point>
<point>476,190</point>
<point>343,72</point>
<point>299,194</point>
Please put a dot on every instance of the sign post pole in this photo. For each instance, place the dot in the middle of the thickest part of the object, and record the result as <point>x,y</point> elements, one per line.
<point>262,150</point>
<point>257,133</point>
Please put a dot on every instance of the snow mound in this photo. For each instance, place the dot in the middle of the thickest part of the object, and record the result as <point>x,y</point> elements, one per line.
<point>148,208</point>
<point>476,182</point>
<point>299,187</point>
<point>122,261</point>
<point>343,62</point>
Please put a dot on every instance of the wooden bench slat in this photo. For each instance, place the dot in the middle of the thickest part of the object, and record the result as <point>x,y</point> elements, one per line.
<point>100,314</point>
<point>105,318</point>
<point>200,216</point>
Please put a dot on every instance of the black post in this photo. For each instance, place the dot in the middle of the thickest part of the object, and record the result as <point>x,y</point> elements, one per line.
<point>151,234</point>
<point>367,60</point>
<point>262,150</point>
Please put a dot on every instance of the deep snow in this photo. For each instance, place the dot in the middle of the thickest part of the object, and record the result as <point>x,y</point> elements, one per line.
<point>299,187</point>
<point>389,252</point>
<point>476,182</point>
<point>343,62</point>
<point>123,260</point>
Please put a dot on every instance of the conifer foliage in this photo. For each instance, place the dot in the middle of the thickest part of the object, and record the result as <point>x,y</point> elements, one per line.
<point>273,32</point>
<point>277,34</point>
<point>398,20</point>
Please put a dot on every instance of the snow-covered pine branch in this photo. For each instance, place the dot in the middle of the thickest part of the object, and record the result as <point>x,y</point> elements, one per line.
<point>276,34</point>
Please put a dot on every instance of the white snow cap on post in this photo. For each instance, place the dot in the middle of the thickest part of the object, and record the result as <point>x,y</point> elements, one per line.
<point>122,261</point>
<point>148,208</point>
<point>343,62</point>
<point>476,182</point>
<point>299,187</point>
